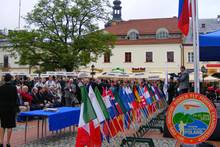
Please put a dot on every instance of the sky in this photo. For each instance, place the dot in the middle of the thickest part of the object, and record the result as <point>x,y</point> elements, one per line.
<point>131,9</point>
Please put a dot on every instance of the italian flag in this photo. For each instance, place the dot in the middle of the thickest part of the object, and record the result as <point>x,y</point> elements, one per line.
<point>88,132</point>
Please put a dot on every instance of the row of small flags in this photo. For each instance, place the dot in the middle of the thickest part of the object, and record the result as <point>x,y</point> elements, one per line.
<point>115,113</point>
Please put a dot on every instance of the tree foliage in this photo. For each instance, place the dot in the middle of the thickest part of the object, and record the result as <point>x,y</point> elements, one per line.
<point>65,34</point>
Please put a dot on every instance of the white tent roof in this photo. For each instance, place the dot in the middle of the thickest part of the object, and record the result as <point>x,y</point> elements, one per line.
<point>210,78</point>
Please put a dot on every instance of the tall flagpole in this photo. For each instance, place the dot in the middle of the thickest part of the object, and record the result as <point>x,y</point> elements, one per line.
<point>19,15</point>
<point>196,45</point>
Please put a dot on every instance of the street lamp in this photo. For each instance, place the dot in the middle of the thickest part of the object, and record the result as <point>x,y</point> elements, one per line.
<point>92,69</point>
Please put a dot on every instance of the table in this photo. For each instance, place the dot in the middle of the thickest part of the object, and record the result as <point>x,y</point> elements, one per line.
<point>64,117</point>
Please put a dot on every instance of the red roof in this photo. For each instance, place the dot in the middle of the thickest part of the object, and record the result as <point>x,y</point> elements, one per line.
<point>144,26</point>
<point>148,41</point>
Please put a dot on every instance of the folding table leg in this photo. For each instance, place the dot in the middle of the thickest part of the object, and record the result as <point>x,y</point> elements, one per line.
<point>42,129</point>
<point>26,125</point>
<point>45,127</point>
<point>38,128</point>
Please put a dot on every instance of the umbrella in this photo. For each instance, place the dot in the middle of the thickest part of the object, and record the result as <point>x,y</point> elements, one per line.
<point>211,78</point>
<point>216,75</point>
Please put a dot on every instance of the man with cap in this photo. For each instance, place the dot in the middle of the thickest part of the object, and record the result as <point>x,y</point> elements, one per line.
<point>8,109</point>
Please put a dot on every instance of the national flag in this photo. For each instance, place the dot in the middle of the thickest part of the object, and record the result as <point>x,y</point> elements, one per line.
<point>101,103</point>
<point>141,94</point>
<point>155,93</point>
<point>147,96</point>
<point>106,99</point>
<point>104,125</point>
<point>124,100</point>
<point>127,120</point>
<point>138,98</point>
<point>183,16</point>
<point>159,92</point>
<point>113,102</point>
<point>142,103</point>
<point>99,114</point>
<point>96,106</point>
<point>165,85</point>
<point>127,97</point>
<point>132,97</point>
<point>117,109</point>
<point>119,105</point>
<point>86,124</point>
<point>141,100</point>
<point>150,90</point>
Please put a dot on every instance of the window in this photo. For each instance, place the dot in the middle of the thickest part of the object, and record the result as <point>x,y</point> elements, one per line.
<point>162,33</point>
<point>6,64</point>
<point>203,25</point>
<point>127,57</point>
<point>106,58</point>
<point>190,57</point>
<point>133,34</point>
<point>149,57</point>
<point>170,56</point>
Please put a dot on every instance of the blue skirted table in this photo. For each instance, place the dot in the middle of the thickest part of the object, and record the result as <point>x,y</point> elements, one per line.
<point>62,118</point>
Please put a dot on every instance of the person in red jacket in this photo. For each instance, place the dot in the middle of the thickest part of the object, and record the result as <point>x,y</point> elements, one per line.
<point>26,97</point>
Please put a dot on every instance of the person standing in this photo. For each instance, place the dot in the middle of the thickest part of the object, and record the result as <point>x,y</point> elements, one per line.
<point>183,80</point>
<point>171,90</point>
<point>70,94</point>
<point>8,108</point>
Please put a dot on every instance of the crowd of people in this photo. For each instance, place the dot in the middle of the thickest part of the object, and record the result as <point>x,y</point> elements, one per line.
<point>40,93</point>
<point>52,91</point>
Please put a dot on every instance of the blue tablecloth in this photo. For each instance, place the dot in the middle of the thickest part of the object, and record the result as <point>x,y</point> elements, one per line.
<point>64,117</point>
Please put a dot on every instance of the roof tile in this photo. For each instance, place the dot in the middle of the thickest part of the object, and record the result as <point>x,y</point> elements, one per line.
<point>144,26</point>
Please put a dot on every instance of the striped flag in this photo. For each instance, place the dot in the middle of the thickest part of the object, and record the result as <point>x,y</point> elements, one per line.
<point>87,122</point>
<point>183,16</point>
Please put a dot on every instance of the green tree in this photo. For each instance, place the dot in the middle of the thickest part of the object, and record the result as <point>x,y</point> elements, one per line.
<point>64,34</point>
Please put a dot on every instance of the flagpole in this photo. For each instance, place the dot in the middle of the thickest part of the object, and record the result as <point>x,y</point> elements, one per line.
<point>195,48</point>
<point>196,45</point>
<point>19,15</point>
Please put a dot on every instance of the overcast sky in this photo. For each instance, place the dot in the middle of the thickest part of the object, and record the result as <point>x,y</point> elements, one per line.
<point>131,9</point>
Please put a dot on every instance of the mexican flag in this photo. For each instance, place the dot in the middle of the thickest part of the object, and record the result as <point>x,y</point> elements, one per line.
<point>87,133</point>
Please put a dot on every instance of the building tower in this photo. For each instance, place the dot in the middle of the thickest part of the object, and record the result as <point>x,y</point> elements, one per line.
<point>117,11</point>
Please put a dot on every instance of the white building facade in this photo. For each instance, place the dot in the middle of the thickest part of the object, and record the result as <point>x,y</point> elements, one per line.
<point>152,46</point>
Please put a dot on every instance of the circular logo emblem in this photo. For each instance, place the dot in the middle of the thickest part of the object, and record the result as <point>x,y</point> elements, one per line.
<point>191,118</point>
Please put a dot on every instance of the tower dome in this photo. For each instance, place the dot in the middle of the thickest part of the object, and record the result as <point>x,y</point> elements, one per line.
<point>117,10</point>
<point>117,2</point>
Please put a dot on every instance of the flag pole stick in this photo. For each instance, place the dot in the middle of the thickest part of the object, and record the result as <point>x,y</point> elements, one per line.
<point>110,131</point>
<point>195,45</point>
<point>119,127</point>
<point>132,123</point>
<point>105,136</point>
<point>148,117</point>
<point>104,133</point>
<point>115,127</point>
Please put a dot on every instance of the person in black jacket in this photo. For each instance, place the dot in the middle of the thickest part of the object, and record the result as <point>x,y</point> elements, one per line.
<point>171,90</point>
<point>8,108</point>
